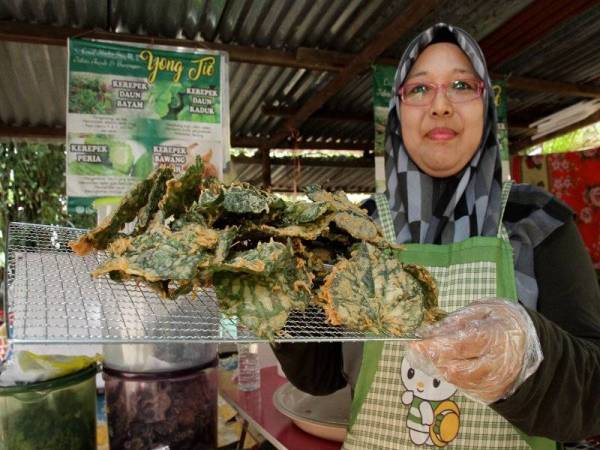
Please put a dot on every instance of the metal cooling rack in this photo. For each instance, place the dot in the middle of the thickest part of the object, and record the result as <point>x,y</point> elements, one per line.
<point>54,299</point>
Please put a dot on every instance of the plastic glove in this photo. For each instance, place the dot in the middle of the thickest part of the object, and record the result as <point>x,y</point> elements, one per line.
<point>487,349</point>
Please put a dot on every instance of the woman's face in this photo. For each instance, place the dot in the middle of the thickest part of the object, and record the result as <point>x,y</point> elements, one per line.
<point>443,137</point>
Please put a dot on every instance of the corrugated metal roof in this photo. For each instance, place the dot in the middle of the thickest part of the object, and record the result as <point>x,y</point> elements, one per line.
<point>276,24</point>
<point>569,53</point>
<point>79,14</point>
<point>32,85</point>
<point>478,17</point>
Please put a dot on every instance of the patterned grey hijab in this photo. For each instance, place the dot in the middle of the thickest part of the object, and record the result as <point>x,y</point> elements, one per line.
<point>467,204</point>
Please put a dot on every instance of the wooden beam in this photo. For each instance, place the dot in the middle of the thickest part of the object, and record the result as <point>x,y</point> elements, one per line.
<point>32,132</point>
<point>519,128</point>
<point>59,133</point>
<point>346,189</point>
<point>315,56</point>
<point>239,142</point>
<point>356,163</point>
<point>546,86</point>
<point>319,115</point>
<point>303,58</point>
<point>304,145</point>
<point>50,35</point>
<point>38,34</point>
<point>520,145</point>
<point>528,26</point>
<point>412,15</point>
<point>339,60</point>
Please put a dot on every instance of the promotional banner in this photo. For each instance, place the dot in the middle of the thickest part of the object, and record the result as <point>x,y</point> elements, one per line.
<point>383,86</point>
<point>131,109</point>
<point>501,100</point>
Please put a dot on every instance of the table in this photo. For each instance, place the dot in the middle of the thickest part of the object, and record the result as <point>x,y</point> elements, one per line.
<point>257,408</point>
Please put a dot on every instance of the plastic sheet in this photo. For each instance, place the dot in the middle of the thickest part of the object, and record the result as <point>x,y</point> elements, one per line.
<point>28,367</point>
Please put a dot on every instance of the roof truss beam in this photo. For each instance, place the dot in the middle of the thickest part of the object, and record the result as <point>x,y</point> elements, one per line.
<point>302,58</point>
<point>58,133</point>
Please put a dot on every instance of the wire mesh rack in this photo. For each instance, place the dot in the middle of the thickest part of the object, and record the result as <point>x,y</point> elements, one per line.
<point>52,298</point>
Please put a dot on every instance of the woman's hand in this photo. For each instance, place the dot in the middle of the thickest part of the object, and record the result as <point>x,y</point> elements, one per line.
<point>486,349</point>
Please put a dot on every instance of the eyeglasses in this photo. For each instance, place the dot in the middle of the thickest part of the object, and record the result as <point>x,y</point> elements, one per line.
<point>422,93</point>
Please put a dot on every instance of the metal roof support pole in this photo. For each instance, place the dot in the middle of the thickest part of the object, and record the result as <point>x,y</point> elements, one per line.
<point>266,166</point>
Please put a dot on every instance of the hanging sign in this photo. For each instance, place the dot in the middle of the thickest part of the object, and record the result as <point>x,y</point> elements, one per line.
<point>131,109</point>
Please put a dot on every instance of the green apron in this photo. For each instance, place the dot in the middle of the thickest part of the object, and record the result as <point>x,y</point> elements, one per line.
<point>396,406</point>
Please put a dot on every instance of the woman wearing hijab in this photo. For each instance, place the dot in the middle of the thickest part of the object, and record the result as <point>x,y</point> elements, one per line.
<point>519,355</point>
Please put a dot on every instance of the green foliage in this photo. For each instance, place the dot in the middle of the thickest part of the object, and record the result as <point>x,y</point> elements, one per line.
<point>89,96</point>
<point>32,187</point>
<point>63,420</point>
<point>580,139</point>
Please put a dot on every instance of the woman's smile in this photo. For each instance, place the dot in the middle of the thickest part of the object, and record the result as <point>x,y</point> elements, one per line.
<point>441,134</point>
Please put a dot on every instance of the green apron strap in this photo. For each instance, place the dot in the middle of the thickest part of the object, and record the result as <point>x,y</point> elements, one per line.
<point>370,362</point>
<point>503,201</point>
<point>385,217</point>
<point>540,443</point>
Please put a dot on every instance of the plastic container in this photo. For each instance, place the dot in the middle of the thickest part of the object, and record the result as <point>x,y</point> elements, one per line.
<point>156,358</point>
<point>248,367</point>
<point>174,410</point>
<point>52,415</point>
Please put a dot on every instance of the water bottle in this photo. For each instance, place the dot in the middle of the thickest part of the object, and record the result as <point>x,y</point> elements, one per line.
<point>249,367</point>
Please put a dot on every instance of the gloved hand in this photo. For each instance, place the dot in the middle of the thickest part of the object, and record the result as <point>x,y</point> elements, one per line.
<point>487,349</point>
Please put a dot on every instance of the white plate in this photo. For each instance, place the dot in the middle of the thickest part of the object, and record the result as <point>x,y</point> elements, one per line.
<point>323,416</point>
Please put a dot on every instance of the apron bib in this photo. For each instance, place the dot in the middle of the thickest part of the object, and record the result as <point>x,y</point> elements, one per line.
<point>398,407</point>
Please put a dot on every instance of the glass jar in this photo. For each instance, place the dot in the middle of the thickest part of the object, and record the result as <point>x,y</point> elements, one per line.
<point>175,410</point>
<point>54,415</point>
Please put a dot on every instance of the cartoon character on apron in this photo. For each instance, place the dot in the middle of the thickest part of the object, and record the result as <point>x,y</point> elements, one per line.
<point>432,419</point>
